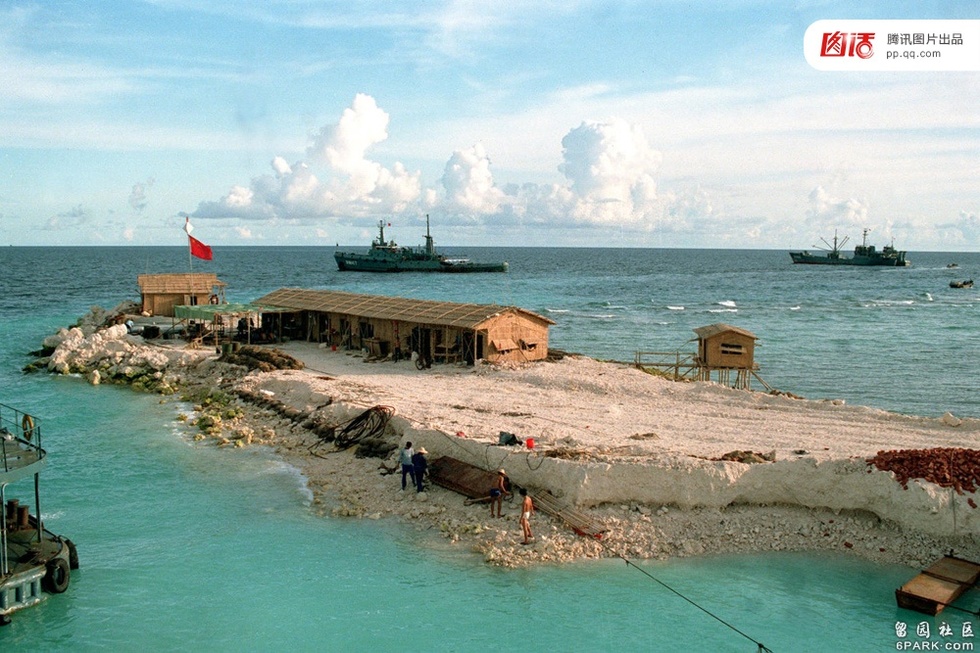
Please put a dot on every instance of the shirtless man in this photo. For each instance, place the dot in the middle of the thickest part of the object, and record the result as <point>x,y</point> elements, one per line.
<point>497,493</point>
<point>527,507</point>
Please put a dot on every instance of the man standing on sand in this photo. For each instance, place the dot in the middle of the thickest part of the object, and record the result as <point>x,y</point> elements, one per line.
<point>420,464</point>
<point>527,507</point>
<point>497,493</point>
<point>408,467</point>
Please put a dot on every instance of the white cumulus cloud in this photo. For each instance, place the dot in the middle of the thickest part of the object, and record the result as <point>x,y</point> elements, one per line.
<point>281,167</point>
<point>469,182</point>
<point>828,211</point>
<point>344,145</point>
<point>611,167</point>
<point>346,181</point>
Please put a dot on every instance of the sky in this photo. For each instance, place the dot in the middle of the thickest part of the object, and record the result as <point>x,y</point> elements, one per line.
<point>510,123</point>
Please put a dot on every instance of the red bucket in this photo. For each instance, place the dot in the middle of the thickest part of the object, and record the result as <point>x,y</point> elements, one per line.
<point>529,443</point>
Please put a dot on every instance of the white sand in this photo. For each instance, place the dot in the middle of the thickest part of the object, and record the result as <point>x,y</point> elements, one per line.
<point>601,405</point>
<point>637,452</point>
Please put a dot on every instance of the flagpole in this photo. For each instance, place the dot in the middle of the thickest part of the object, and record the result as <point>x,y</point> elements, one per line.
<point>190,248</point>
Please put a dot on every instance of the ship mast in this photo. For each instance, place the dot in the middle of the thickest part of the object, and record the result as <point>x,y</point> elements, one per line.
<point>836,247</point>
<point>429,246</point>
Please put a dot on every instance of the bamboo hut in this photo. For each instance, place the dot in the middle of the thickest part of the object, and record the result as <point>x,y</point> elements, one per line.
<point>396,326</point>
<point>160,293</point>
<point>723,348</point>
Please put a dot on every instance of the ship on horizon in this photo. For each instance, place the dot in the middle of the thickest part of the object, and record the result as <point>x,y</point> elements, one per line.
<point>864,254</point>
<point>388,256</point>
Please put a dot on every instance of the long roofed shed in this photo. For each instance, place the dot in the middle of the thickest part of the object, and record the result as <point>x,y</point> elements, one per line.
<point>468,331</point>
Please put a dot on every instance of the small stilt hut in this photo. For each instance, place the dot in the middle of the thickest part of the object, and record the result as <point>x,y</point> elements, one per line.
<point>723,349</point>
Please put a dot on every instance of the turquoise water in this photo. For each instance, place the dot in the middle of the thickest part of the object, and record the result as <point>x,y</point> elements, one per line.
<point>183,545</point>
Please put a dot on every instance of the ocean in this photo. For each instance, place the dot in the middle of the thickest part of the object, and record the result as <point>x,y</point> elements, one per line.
<point>182,544</point>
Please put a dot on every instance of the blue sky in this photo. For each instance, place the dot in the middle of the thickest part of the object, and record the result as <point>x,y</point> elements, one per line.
<point>573,122</point>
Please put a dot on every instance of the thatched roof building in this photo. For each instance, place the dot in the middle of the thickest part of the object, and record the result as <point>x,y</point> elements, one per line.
<point>161,292</point>
<point>440,331</point>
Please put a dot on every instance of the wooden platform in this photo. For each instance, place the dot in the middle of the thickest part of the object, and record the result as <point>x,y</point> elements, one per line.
<point>938,586</point>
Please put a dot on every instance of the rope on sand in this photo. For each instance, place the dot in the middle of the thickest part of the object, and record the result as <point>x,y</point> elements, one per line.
<point>371,422</point>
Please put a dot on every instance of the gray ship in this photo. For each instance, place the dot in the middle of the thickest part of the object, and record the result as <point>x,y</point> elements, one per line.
<point>864,255</point>
<point>388,256</point>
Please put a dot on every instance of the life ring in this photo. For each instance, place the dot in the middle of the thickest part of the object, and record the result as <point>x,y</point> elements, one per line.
<point>58,576</point>
<point>213,299</point>
<point>27,424</point>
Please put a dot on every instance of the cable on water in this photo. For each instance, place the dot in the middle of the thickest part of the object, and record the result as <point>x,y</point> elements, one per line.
<point>630,563</point>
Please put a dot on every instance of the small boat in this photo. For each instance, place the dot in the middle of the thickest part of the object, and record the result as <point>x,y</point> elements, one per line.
<point>864,254</point>
<point>961,284</point>
<point>388,256</point>
<point>33,561</point>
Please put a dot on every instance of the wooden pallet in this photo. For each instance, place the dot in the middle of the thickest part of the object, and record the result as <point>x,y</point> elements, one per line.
<point>938,586</point>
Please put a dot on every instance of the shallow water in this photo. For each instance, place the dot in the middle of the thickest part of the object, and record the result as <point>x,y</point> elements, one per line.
<point>182,544</point>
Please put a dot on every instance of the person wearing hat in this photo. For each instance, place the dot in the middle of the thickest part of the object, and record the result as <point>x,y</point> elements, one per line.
<point>497,493</point>
<point>420,464</point>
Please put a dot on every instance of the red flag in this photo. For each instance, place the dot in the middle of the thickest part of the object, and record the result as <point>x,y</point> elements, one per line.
<point>199,249</point>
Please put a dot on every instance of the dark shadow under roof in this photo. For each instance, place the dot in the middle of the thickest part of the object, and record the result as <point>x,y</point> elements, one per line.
<point>421,311</point>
